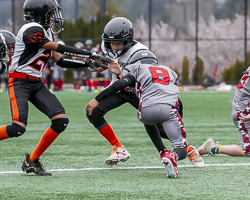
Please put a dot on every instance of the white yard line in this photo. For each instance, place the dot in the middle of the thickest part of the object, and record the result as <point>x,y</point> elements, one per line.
<point>122,168</point>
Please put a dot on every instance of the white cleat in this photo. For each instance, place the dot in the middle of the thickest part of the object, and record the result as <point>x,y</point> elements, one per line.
<point>207,147</point>
<point>118,154</point>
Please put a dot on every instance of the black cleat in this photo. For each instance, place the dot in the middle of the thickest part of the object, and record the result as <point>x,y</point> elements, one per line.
<point>34,166</point>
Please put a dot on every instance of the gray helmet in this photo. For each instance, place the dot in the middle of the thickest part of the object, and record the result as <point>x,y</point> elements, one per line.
<point>89,42</point>
<point>143,57</point>
<point>79,45</point>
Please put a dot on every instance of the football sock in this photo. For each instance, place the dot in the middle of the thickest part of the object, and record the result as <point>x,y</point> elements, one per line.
<point>189,149</point>
<point>109,134</point>
<point>46,140</point>
<point>3,133</point>
<point>216,150</point>
<point>162,151</point>
<point>176,155</point>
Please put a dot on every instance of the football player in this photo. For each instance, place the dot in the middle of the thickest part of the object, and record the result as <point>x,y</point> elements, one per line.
<point>118,44</point>
<point>157,90</point>
<point>241,119</point>
<point>34,46</point>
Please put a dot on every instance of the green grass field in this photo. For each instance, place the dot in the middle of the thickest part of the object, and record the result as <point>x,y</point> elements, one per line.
<point>76,158</point>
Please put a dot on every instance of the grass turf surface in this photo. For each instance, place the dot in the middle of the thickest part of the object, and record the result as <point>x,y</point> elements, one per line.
<point>206,114</point>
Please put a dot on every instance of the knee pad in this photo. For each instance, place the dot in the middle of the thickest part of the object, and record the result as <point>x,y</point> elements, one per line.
<point>182,153</point>
<point>59,125</point>
<point>96,118</point>
<point>15,130</point>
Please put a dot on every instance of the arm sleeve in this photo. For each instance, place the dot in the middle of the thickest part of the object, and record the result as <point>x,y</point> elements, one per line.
<point>34,36</point>
<point>70,63</point>
<point>126,81</point>
<point>71,51</point>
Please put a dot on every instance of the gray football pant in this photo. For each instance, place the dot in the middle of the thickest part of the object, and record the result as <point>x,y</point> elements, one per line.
<point>169,117</point>
<point>243,130</point>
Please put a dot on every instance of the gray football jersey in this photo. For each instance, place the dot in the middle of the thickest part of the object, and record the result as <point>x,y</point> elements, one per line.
<point>124,58</point>
<point>155,84</point>
<point>242,93</point>
<point>29,56</point>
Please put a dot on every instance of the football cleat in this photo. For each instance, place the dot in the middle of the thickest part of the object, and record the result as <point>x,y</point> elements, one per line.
<point>34,166</point>
<point>194,156</point>
<point>208,147</point>
<point>118,154</point>
<point>169,162</point>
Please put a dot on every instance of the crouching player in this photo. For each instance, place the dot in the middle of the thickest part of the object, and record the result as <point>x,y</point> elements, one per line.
<point>157,90</point>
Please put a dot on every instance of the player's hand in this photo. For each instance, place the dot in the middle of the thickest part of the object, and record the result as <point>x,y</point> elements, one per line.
<point>115,68</point>
<point>99,69</point>
<point>244,118</point>
<point>100,58</point>
<point>91,105</point>
<point>96,67</point>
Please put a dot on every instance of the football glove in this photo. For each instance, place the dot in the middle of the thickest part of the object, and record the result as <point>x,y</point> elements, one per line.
<point>100,58</point>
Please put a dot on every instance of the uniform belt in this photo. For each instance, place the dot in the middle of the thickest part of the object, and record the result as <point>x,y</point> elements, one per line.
<point>22,75</point>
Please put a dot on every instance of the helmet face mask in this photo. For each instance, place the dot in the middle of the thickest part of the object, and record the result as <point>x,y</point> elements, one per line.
<point>45,12</point>
<point>10,40</point>
<point>117,30</point>
<point>55,16</point>
<point>3,49</point>
<point>115,53</point>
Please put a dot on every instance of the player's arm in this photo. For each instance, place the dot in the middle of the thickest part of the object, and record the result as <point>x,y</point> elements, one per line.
<point>126,81</point>
<point>72,51</point>
<point>71,63</point>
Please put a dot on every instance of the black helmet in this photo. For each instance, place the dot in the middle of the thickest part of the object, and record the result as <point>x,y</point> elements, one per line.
<point>3,49</point>
<point>79,45</point>
<point>116,30</point>
<point>143,57</point>
<point>10,40</point>
<point>42,12</point>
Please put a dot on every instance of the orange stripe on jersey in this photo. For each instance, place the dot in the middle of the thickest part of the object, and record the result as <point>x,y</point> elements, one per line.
<point>14,108</point>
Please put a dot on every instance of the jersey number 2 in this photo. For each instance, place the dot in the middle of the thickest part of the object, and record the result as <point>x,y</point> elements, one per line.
<point>159,75</point>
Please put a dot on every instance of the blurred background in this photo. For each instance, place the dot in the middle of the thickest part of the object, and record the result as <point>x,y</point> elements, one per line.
<point>201,40</point>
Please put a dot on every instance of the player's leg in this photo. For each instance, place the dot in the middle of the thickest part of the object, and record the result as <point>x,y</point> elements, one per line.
<point>153,115</point>
<point>47,103</point>
<point>19,95</point>
<point>212,148</point>
<point>97,119</point>
<point>74,71</point>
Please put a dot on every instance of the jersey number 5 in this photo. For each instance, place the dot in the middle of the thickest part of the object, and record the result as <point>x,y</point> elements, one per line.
<point>40,62</point>
<point>159,75</point>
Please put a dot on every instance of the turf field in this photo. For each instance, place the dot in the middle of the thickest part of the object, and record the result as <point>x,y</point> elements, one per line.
<point>76,158</point>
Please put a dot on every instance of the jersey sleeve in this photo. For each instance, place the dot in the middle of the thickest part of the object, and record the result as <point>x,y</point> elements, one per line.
<point>126,81</point>
<point>176,78</point>
<point>244,85</point>
<point>34,36</point>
